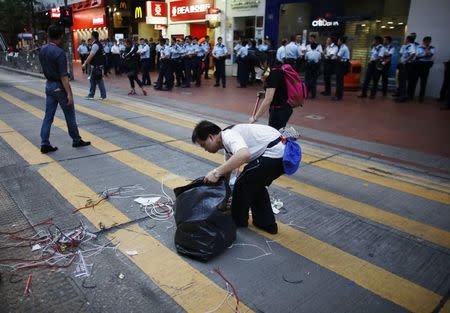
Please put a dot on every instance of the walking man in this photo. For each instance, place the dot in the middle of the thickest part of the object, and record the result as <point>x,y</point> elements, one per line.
<point>57,89</point>
<point>96,60</point>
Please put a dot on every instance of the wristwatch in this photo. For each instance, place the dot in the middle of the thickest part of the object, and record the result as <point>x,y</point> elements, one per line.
<point>215,173</point>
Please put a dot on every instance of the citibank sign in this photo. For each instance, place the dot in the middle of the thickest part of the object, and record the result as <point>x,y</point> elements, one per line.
<point>321,22</point>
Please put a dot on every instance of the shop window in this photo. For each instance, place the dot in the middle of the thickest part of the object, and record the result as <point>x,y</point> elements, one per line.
<point>260,21</point>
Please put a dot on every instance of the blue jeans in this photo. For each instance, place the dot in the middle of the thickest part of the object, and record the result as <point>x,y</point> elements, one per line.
<point>56,94</point>
<point>94,82</point>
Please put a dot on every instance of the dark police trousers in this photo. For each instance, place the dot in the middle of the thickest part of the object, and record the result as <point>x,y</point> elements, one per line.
<point>402,80</point>
<point>146,80</point>
<point>207,65</point>
<point>165,73</point>
<point>250,191</point>
<point>188,68</point>
<point>197,69</point>
<point>311,75</point>
<point>424,69</point>
<point>413,77</point>
<point>220,70</point>
<point>385,77</point>
<point>372,74</point>
<point>329,68</point>
<point>177,65</point>
<point>243,71</point>
<point>341,68</point>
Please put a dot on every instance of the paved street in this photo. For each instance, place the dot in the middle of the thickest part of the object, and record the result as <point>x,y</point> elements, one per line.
<point>365,224</point>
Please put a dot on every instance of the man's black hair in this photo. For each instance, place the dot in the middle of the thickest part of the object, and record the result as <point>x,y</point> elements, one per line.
<point>203,129</point>
<point>219,38</point>
<point>312,36</point>
<point>378,39</point>
<point>388,38</point>
<point>55,32</point>
<point>343,39</point>
<point>95,35</point>
<point>293,37</point>
<point>410,38</point>
<point>427,38</point>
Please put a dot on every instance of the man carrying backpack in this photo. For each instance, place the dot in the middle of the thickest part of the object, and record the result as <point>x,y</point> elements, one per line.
<point>261,149</point>
<point>276,97</point>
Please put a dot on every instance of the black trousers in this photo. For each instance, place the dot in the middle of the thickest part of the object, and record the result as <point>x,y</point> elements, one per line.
<point>188,68</point>
<point>278,117</point>
<point>243,71</point>
<point>413,77</point>
<point>402,81</point>
<point>207,57</point>
<point>197,70</point>
<point>107,63</point>
<point>329,69</point>
<point>372,74</point>
<point>177,65</point>
<point>250,191</point>
<point>341,68</point>
<point>132,77</point>
<point>83,58</point>
<point>115,62</point>
<point>311,75</point>
<point>146,80</point>
<point>385,77</point>
<point>423,72</point>
<point>220,70</point>
<point>165,73</point>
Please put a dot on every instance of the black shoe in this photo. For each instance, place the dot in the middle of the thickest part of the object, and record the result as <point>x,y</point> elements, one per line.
<point>325,93</point>
<point>223,86</point>
<point>271,229</point>
<point>336,99</point>
<point>178,85</point>
<point>216,85</point>
<point>81,143</point>
<point>372,97</point>
<point>395,95</point>
<point>185,86</point>
<point>421,99</point>
<point>166,89</point>
<point>445,108</point>
<point>48,148</point>
<point>362,96</point>
<point>401,100</point>
<point>384,94</point>
<point>157,88</point>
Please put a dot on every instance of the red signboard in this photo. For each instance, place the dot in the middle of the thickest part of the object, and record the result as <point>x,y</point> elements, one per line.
<point>156,12</point>
<point>89,18</point>
<point>189,10</point>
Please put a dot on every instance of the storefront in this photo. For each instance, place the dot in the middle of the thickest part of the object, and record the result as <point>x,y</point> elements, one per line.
<point>359,20</point>
<point>140,27</point>
<point>85,21</point>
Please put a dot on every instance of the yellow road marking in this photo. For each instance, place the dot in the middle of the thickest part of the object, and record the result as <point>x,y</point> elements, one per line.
<point>373,278</point>
<point>417,229</point>
<point>389,182</point>
<point>191,289</point>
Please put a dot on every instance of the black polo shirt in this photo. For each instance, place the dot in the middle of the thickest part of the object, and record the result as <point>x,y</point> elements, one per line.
<point>53,61</point>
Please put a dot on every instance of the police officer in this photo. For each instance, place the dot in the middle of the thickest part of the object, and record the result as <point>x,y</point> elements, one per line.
<point>292,53</point>
<point>312,39</point>
<point>413,70</point>
<point>83,52</point>
<point>312,59</point>
<point>342,66</point>
<point>424,57</point>
<point>198,61</point>
<point>243,65</point>
<point>57,89</point>
<point>96,61</point>
<point>408,52</point>
<point>188,60</point>
<point>220,53</point>
<point>144,52</point>
<point>281,53</point>
<point>207,50</point>
<point>389,51</point>
<point>329,65</point>
<point>176,51</point>
<point>107,49</point>
<point>374,68</point>
<point>165,70</point>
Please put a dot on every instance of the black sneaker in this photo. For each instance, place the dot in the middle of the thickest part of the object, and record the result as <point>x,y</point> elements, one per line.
<point>81,143</point>
<point>48,148</point>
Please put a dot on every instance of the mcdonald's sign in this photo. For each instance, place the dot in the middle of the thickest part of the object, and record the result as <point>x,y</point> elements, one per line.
<point>138,12</point>
<point>123,5</point>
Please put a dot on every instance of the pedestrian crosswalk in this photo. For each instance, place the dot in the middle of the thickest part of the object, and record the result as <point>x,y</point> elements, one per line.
<point>189,287</point>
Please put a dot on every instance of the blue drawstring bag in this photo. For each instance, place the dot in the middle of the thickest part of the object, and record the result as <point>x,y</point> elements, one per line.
<point>292,156</point>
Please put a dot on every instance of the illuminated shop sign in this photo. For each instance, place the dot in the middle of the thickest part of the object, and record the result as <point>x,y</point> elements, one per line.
<point>186,10</point>
<point>321,22</point>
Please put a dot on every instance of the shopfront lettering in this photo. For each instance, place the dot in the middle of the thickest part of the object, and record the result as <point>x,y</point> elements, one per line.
<point>244,4</point>
<point>156,12</point>
<point>98,21</point>
<point>321,22</point>
<point>138,12</point>
<point>186,10</point>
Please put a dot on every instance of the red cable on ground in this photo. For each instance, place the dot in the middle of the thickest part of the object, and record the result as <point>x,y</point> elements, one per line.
<point>47,221</point>
<point>28,285</point>
<point>89,206</point>
<point>216,270</point>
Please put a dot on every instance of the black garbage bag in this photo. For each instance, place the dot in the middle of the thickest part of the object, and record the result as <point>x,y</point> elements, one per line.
<point>204,229</point>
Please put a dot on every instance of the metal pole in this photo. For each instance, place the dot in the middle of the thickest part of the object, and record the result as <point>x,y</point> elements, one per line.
<point>68,34</point>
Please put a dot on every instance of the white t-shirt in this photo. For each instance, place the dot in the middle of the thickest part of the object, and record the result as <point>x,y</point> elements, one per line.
<point>255,137</point>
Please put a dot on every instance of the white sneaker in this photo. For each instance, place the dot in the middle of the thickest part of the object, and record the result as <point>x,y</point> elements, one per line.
<point>89,98</point>
<point>100,98</point>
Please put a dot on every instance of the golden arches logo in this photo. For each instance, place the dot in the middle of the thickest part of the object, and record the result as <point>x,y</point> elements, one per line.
<point>122,5</point>
<point>138,12</point>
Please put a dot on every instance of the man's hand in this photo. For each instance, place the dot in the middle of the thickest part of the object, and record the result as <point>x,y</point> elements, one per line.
<point>252,120</point>
<point>211,177</point>
<point>70,100</point>
<point>261,94</point>
<point>83,66</point>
